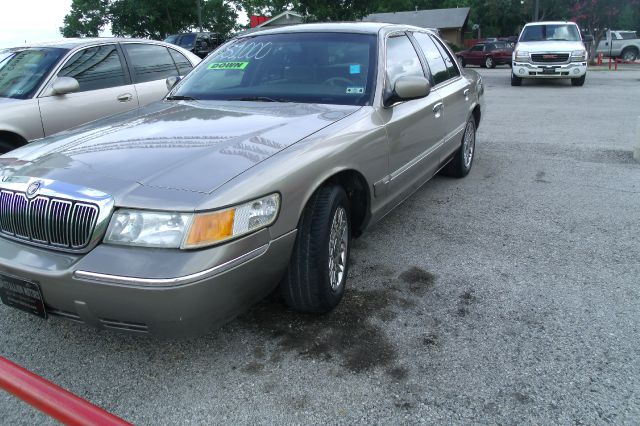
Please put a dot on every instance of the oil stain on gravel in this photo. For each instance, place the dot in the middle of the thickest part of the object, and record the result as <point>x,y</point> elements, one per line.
<point>351,334</point>
<point>347,333</point>
<point>418,279</point>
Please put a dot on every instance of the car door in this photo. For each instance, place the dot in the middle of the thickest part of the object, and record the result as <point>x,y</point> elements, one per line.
<point>105,90</point>
<point>452,87</point>
<point>476,55</point>
<point>150,66</point>
<point>413,127</point>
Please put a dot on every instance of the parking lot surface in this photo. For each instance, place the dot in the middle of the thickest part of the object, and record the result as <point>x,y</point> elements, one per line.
<point>510,296</point>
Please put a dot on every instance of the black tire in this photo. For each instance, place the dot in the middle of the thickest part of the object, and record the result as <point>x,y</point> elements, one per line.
<point>630,54</point>
<point>6,146</point>
<point>516,81</point>
<point>459,166</point>
<point>578,81</point>
<point>463,62</point>
<point>307,285</point>
<point>489,62</point>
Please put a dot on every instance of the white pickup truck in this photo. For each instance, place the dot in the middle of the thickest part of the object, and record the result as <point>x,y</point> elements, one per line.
<point>620,44</point>
<point>551,49</point>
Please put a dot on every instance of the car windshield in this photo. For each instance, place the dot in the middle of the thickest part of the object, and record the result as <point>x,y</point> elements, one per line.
<point>552,32</point>
<point>187,40</point>
<point>171,39</point>
<point>22,71</point>
<point>331,68</point>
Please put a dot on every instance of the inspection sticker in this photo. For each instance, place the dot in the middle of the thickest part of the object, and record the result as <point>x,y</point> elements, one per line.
<point>354,69</point>
<point>228,65</point>
<point>356,90</point>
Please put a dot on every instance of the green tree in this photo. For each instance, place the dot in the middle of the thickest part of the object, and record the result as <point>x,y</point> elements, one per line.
<point>596,16</point>
<point>86,18</point>
<point>148,18</point>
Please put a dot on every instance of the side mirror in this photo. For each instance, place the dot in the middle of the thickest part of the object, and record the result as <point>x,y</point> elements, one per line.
<point>64,85</point>
<point>588,39</point>
<point>172,81</point>
<point>408,88</point>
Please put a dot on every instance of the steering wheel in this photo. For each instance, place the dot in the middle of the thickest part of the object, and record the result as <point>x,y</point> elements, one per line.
<point>333,80</point>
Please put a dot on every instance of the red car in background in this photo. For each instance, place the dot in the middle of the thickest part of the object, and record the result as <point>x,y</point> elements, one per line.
<point>487,54</point>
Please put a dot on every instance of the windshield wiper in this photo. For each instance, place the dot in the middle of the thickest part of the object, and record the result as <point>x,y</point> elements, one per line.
<point>260,99</point>
<point>180,98</point>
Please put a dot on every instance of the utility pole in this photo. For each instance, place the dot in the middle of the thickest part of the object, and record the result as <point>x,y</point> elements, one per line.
<point>199,14</point>
<point>536,10</point>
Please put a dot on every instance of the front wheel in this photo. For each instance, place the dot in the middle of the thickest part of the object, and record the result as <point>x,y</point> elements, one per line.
<point>463,63</point>
<point>317,273</point>
<point>516,81</point>
<point>578,81</point>
<point>460,164</point>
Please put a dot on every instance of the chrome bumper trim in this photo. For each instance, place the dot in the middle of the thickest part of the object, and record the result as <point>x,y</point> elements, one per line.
<point>187,279</point>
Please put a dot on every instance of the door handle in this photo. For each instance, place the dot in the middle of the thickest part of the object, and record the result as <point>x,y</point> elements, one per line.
<point>125,97</point>
<point>466,94</point>
<point>437,109</point>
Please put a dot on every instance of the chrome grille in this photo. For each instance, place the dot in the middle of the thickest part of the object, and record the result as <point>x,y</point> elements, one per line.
<point>48,221</point>
<point>548,58</point>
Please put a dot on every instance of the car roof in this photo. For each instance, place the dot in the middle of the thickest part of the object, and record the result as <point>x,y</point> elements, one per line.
<point>72,43</point>
<point>345,27</point>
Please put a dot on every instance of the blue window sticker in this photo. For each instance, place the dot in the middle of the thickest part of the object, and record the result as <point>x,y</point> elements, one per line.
<point>355,90</point>
<point>354,69</point>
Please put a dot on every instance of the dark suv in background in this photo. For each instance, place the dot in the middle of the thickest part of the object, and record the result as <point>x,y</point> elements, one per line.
<point>199,43</point>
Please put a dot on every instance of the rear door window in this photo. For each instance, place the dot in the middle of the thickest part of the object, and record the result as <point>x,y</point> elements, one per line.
<point>183,64</point>
<point>150,62</point>
<point>434,58</point>
<point>96,68</point>
<point>449,62</point>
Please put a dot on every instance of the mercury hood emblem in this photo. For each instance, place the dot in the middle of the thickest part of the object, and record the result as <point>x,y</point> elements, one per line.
<point>33,188</point>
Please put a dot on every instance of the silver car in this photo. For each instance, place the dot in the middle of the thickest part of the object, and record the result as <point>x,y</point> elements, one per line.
<point>49,87</point>
<point>252,176</point>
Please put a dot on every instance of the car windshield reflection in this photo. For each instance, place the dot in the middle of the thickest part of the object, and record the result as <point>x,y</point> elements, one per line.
<point>325,68</point>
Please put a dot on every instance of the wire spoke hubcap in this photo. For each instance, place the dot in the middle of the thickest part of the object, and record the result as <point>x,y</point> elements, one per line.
<point>469,145</point>
<point>338,244</point>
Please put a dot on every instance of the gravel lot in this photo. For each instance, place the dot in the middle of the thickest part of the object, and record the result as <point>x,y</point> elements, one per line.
<point>511,296</point>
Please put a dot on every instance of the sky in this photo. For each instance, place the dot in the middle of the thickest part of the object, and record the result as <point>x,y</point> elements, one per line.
<point>27,21</point>
<point>31,20</point>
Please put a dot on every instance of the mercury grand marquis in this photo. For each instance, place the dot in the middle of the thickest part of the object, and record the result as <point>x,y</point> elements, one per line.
<point>251,176</point>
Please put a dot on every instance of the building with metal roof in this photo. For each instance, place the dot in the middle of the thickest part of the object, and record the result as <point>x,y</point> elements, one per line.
<point>452,23</point>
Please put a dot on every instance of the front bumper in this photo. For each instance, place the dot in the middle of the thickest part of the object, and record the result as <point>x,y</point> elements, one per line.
<point>528,70</point>
<point>165,293</point>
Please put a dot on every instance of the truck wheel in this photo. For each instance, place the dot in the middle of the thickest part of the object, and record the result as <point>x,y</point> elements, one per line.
<point>516,81</point>
<point>460,164</point>
<point>317,273</point>
<point>629,54</point>
<point>578,81</point>
<point>489,62</point>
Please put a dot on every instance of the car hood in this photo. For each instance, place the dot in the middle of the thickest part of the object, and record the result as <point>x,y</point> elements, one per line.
<point>189,146</point>
<point>8,100</point>
<point>550,46</point>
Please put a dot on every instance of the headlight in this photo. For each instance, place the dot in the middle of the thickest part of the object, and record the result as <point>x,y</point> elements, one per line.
<point>579,55</point>
<point>521,55</point>
<point>191,230</point>
<point>215,227</point>
<point>148,229</point>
